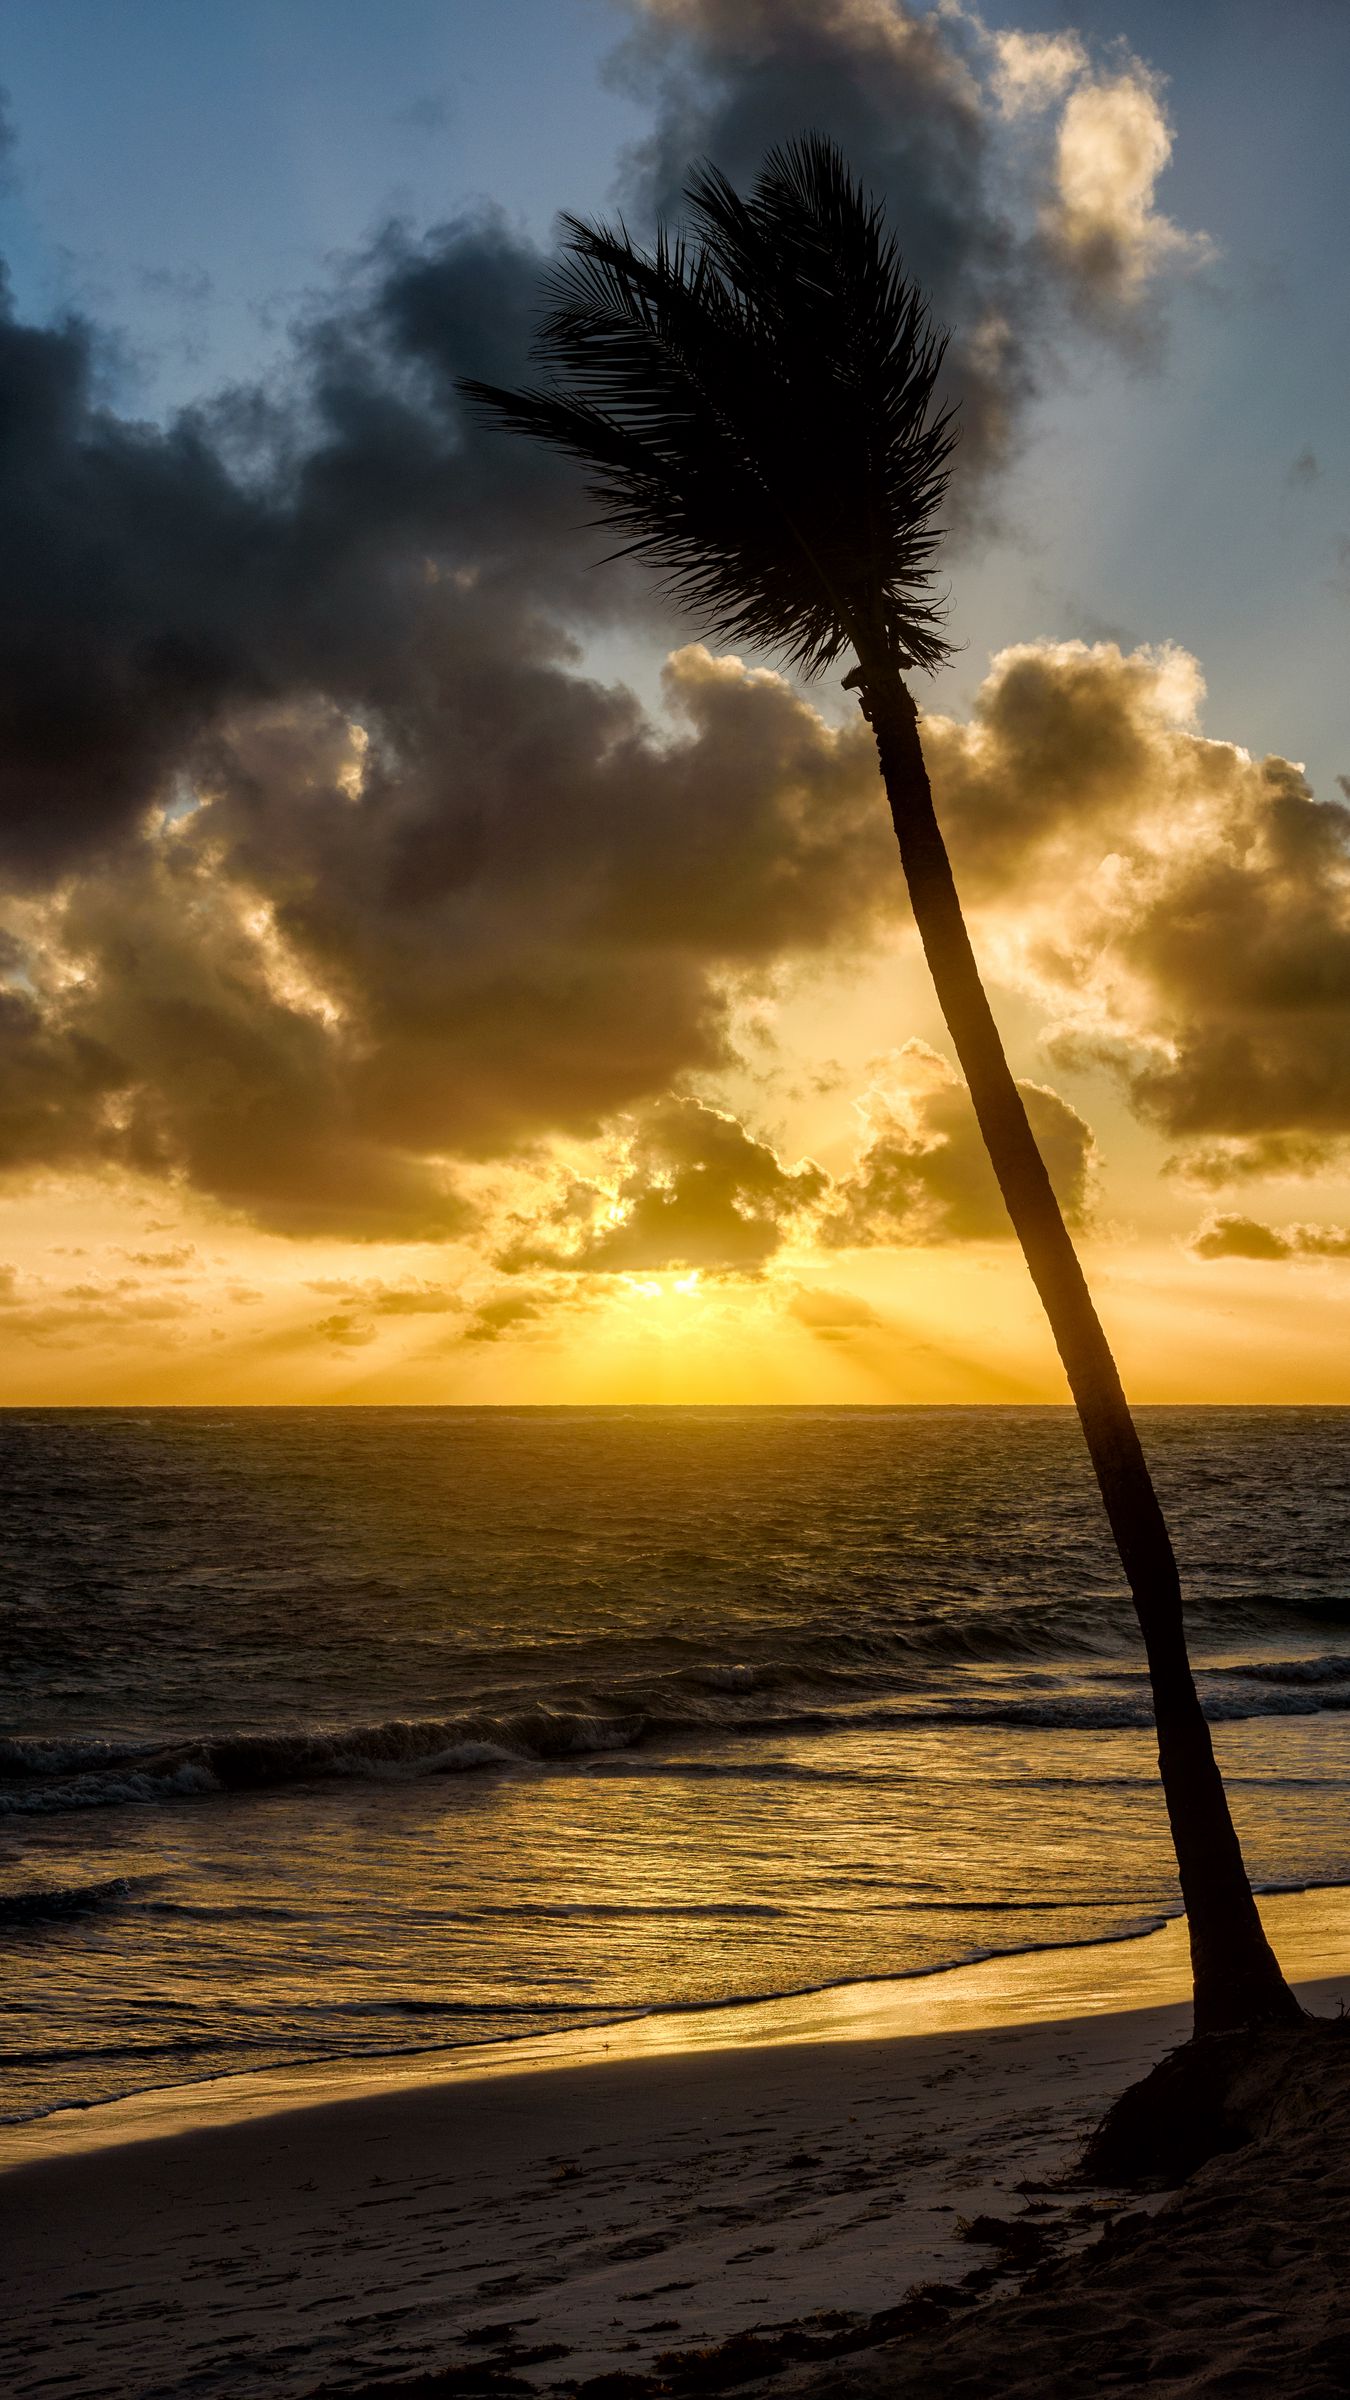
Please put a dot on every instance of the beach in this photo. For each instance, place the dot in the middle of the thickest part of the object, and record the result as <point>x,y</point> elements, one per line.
<point>527,1900</point>
<point>584,2205</point>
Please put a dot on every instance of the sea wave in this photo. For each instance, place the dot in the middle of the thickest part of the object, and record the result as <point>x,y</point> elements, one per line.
<point>47,1904</point>
<point>1088,1713</point>
<point>46,1777</point>
<point>66,2053</point>
<point>246,1762</point>
<point>1332,1668</point>
<point>52,1754</point>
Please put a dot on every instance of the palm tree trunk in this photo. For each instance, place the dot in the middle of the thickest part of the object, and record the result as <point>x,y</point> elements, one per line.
<point>1237,1977</point>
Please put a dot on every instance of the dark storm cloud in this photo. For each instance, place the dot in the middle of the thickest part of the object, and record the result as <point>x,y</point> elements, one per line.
<point>208,1065</point>
<point>328,866</point>
<point>125,560</point>
<point>153,580</point>
<point>729,78</point>
<point>1246,945</point>
<point>1062,738</point>
<point>533,915</point>
<point>1252,961</point>
<point>56,1083</point>
<point>1012,228</point>
<point>360,960</point>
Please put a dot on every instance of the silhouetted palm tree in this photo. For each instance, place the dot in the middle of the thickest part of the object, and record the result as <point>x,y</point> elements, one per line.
<point>755,407</point>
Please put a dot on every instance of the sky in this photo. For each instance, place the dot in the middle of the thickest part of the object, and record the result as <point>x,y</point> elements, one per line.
<point>428,971</point>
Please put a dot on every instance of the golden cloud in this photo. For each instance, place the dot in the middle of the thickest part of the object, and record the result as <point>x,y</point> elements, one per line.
<point>689,1187</point>
<point>308,1006</point>
<point>1230,1235</point>
<point>922,1173</point>
<point>1179,909</point>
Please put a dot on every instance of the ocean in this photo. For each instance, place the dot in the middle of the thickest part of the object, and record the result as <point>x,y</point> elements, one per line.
<point>330,1732</point>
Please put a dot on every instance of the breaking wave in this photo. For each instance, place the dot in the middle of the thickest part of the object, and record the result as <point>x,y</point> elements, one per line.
<point>104,1774</point>
<point>43,1776</point>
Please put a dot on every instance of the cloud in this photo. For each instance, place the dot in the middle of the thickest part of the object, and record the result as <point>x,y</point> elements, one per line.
<point>922,1174</point>
<point>345,1330</point>
<point>1216,1165</point>
<point>1319,1241</point>
<point>1034,69</point>
<point>692,1189</point>
<point>832,1316</point>
<point>329,873</point>
<point>68,1316</point>
<point>408,1299</point>
<point>333,870</point>
<point>1058,757</point>
<point>160,1033</point>
<point>493,1319</point>
<point>938,114</point>
<point>1111,147</point>
<point>689,1187</point>
<point>1228,1235</point>
<point>1179,910</point>
<point>262,548</point>
<point>355,965</point>
<point>414,1300</point>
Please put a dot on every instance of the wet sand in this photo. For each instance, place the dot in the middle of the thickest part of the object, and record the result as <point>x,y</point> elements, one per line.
<point>580,2206</point>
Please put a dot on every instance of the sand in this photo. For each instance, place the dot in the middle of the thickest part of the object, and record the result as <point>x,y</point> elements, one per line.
<point>584,2206</point>
<point>1236,2284</point>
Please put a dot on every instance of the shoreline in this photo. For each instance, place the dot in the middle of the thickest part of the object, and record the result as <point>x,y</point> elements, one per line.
<point>1116,1974</point>
<point>522,2225</point>
<point>511,2053</point>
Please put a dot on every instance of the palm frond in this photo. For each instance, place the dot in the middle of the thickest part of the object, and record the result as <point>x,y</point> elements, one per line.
<point>754,403</point>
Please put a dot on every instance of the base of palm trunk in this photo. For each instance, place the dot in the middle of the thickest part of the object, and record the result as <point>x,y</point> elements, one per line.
<point>1236,1993</point>
<point>1216,2094</point>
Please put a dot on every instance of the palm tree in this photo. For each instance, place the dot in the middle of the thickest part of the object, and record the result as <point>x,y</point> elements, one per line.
<point>755,407</point>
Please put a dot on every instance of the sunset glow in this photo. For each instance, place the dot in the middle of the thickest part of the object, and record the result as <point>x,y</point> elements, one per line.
<point>432,1011</point>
